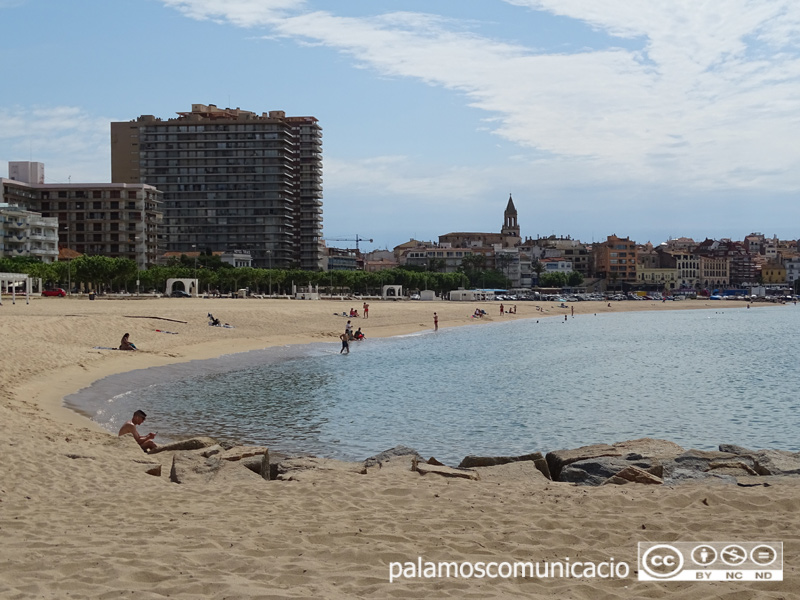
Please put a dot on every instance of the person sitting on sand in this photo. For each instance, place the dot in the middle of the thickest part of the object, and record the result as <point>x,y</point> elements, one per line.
<point>358,335</point>
<point>126,344</point>
<point>145,442</point>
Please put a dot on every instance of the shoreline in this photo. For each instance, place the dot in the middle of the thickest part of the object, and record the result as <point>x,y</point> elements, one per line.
<point>116,365</point>
<point>83,499</point>
<point>47,395</point>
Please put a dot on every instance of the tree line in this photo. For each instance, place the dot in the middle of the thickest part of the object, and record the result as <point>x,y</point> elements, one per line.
<point>105,274</point>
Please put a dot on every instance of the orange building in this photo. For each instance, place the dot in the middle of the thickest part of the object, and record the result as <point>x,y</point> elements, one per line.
<point>615,260</point>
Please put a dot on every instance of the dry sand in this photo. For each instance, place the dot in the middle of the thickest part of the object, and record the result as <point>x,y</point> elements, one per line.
<point>80,518</point>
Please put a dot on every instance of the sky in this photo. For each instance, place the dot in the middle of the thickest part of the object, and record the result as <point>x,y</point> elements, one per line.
<point>649,119</point>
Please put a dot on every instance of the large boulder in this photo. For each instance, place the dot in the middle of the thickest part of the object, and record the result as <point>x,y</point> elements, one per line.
<point>595,471</point>
<point>633,475</point>
<point>392,453</point>
<point>444,471</point>
<point>255,458</point>
<point>766,462</point>
<point>642,448</point>
<point>702,461</point>
<point>650,448</point>
<point>492,461</point>
<point>192,468</point>
<point>776,462</point>
<point>558,459</point>
<point>196,443</point>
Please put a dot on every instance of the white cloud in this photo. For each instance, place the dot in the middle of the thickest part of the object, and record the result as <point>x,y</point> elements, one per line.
<point>708,100</point>
<point>243,13</point>
<point>57,135</point>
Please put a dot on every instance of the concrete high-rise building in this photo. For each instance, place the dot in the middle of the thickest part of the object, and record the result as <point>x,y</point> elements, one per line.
<point>231,179</point>
<point>118,220</point>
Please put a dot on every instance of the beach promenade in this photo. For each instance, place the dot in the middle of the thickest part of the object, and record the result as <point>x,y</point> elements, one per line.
<point>80,517</point>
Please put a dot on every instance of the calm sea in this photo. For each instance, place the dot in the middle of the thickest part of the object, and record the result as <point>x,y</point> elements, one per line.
<point>698,378</point>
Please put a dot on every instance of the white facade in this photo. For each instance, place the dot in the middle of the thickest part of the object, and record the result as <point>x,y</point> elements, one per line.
<point>792,269</point>
<point>26,233</point>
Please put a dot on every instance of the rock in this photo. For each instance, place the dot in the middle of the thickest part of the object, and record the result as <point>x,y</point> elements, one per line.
<point>558,459</point>
<point>433,461</point>
<point>650,448</point>
<point>734,449</point>
<point>490,461</point>
<point>190,468</point>
<point>683,475</point>
<point>395,452</point>
<point>595,471</point>
<point>259,464</point>
<point>701,461</point>
<point>240,452</point>
<point>525,470</point>
<point>216,449</point>
<point>315,469</point>
<point>736,468</point>
<point>633,475</point>
<point>190,444</point>
<point>154,470</point>
<point>776,462</point>
<point>425,469</point>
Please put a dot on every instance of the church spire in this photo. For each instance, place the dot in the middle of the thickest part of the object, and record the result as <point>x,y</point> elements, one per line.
<point>510,225</point>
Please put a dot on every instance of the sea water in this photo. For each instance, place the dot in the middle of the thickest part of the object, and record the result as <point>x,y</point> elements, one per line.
<point>696,377</point>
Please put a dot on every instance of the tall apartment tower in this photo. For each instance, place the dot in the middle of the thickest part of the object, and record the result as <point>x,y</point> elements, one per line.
<point>231,179</point>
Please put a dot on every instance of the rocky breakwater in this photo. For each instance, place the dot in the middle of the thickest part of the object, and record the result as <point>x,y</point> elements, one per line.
<point>654,461</point>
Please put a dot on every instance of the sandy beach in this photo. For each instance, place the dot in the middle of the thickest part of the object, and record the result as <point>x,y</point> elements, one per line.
<point>81,518</point>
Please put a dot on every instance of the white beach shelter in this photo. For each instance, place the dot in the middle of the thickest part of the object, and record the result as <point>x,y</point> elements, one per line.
<point>12,280</point>
<point>391,292</point>
<point>189,285</point>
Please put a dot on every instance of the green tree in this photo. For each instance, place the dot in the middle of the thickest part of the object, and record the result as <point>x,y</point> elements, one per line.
<point>553,280</point>
<point>574,279</point>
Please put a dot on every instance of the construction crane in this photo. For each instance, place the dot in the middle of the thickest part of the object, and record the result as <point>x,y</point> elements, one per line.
<point>356,239</point>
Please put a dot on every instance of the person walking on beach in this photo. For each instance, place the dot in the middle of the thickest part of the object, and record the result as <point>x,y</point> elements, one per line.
<point>435,322</point>
<point>146,442</point>
<point>502,310</point>
<point>345,345</point>
<point>366,310</point>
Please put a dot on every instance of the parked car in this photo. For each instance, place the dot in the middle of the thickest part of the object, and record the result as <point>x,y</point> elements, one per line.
<point>56,292</point>
<point>180,294</point>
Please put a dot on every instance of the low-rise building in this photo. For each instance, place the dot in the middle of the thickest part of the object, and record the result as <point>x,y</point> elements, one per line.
<point>120,220</point>
<point>27,233</point>
<point>615,260</point>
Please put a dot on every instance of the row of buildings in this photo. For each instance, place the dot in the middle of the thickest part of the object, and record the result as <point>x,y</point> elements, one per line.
<point>620,263</point>
<point>249,186</point>
<point>224,180</point>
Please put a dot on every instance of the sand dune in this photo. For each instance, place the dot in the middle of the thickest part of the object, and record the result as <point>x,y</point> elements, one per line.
<point>80,518</point>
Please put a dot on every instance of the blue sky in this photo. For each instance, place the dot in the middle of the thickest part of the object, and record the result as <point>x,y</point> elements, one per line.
<point>645,119</point>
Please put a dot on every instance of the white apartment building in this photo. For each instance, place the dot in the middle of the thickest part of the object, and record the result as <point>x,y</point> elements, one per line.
<point>27,233</point>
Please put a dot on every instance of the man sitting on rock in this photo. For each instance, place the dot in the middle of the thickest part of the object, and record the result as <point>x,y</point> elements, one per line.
<point>145,442</point>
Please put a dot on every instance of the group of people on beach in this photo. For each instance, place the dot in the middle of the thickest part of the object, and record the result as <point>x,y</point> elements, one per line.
<point>354,312</point>
<point>348,336</point>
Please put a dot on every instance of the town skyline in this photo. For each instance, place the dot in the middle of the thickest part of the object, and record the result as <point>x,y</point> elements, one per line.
<point>645,121</point>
